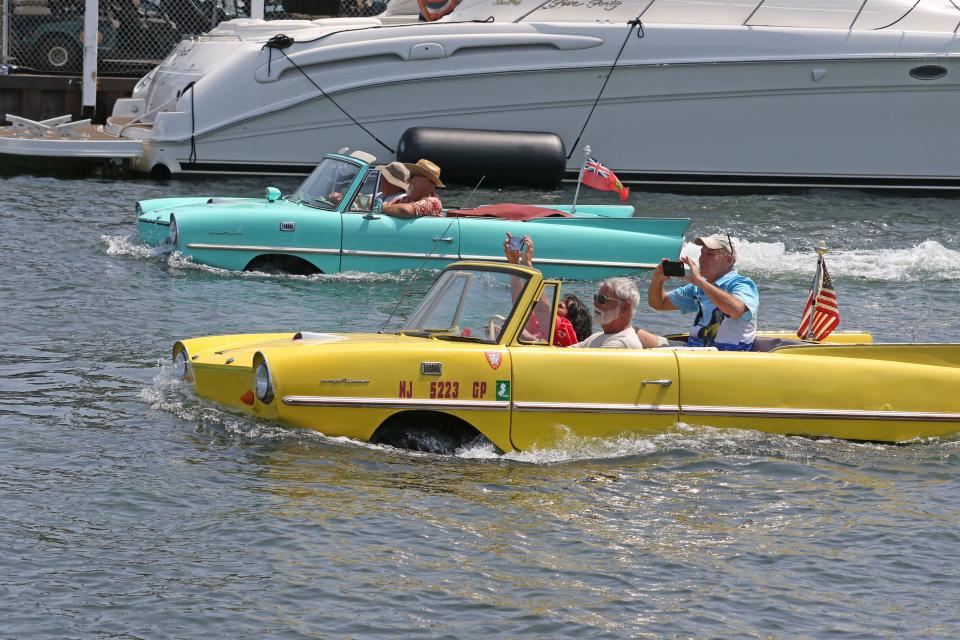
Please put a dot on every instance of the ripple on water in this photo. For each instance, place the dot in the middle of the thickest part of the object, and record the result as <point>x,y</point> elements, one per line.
<point>133,508</point>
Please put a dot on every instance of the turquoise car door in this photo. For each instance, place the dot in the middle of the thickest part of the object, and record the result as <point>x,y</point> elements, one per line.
<point>376,242</point>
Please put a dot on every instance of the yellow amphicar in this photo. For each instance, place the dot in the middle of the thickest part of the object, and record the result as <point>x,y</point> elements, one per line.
<point>474,361</point>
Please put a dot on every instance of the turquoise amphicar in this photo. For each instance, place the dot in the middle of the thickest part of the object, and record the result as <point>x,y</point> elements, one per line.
<point>310,232</point>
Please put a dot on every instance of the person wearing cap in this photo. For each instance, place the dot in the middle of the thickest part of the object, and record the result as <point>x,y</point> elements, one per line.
<point>394,181</point>
<point>421,198</point>
<point>725,302</point>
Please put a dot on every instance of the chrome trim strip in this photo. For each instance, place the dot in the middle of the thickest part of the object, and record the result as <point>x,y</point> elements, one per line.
<point>252,247</point>
<point>343,381</point>
<point>586,407</point>
<point>819,414</point>
<point>396,403</point>
<point>398,254</point>
<point>574,263</point>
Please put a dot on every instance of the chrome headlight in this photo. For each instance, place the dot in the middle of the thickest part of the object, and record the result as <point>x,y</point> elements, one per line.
<point>263,385</point>
<point>173,235</point>
<point>181,364</point>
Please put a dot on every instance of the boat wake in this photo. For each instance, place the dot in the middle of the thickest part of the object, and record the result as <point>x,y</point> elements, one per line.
<point>925,262</point>
<point>128,247</point>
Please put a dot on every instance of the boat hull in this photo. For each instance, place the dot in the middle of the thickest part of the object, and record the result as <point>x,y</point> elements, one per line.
<point>686,105</point>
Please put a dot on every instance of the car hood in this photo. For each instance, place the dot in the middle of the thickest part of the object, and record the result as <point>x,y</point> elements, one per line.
<point>239,350</point>
<point>160,209</point>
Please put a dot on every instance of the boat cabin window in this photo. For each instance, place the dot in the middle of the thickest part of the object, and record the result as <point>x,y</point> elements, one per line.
<point>537,329</point>
<point>363,201</point>
<point>467,305</point>
<point>327,185</point>
<point>900,15</point>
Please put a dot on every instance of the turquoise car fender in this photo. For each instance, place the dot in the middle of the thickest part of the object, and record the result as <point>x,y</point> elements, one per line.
<point>242,235</point>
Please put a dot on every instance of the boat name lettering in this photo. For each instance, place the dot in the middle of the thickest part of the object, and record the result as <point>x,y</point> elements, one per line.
<point>406,389</point>
<point>479,389</point>
<point>444,389</point>
<point>606,5</point>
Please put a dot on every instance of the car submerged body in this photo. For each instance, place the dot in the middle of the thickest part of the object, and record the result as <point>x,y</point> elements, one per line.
<point>308,232</point>
<point>475,362</point>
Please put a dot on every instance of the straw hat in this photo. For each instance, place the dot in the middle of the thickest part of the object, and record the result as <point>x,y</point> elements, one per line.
<point>426,169</point>
<point>396,173</point>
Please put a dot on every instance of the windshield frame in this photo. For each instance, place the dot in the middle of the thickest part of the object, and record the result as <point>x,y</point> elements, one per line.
<point>518,297</point>
<point>300,196</point>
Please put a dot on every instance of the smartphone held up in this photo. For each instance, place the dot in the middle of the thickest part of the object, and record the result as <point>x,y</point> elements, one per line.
<point>674,268</point>
<point>515,243</point>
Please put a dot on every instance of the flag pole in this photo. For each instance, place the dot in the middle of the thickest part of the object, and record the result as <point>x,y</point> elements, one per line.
<point>586,154</point>
<point>815,289</point>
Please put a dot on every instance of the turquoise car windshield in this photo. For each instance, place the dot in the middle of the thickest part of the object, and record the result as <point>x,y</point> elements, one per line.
<point>327,185</point>
<point>470,305</point>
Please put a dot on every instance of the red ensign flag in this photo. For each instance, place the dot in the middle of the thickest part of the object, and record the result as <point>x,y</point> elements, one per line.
<point>597,176</point>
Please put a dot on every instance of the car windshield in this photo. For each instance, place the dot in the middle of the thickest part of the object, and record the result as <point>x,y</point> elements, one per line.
<point>327,185</point>
<point>467,304</point>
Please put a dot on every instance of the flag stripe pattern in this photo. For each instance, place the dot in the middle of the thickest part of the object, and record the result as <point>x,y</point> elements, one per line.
<point>826,313</point>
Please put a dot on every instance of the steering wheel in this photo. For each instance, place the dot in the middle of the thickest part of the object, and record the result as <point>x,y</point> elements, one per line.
<point>492,326</point>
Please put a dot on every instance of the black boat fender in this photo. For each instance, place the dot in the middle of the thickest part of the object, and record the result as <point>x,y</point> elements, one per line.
<point>501,158</point>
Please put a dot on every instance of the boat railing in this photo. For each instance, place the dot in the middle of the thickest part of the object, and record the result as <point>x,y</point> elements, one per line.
<point>894,15</point>
<point>909,10</point>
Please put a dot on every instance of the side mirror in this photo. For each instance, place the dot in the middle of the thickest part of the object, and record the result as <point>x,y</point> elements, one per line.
<point>273,194</point>
<point>377,211</point>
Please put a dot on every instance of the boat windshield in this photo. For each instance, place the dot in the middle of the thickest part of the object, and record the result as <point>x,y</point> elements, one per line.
<point>467,304</point>
<point>326,186</point>
<point>901,15</point>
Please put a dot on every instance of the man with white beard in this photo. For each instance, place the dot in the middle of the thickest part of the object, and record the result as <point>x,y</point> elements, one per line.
<point>613,307</point>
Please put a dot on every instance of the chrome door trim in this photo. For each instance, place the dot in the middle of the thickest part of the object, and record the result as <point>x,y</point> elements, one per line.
<point>588,407</point>
<point>398,254</point>
<point>572,263</point>
<point>251,247</point>
<point>819,414</point>
<point>395,403</point>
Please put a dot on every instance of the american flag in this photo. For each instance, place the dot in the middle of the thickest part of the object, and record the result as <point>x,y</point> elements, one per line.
<point>826,314</point>
<point>597,176</point>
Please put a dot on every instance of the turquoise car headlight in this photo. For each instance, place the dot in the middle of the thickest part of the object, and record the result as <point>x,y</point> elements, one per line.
<point>181,364</point>
<point>263,385</point>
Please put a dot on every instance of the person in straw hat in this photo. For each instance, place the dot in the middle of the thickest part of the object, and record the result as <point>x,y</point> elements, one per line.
<point>394,181</point>
<point>421,198</point>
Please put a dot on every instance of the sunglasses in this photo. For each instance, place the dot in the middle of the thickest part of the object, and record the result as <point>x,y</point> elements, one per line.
<point>599,298</point>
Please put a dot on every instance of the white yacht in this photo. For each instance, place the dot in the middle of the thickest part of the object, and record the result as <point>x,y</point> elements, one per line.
<point>769,93</point>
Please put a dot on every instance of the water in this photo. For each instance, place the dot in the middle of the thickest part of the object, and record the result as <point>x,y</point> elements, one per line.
<point>133,509</point>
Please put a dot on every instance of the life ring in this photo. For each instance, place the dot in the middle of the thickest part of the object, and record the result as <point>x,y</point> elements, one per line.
<point>435,9</point>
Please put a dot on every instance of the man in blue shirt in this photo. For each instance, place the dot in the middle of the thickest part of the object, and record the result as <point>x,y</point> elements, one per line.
<point>725,302</point>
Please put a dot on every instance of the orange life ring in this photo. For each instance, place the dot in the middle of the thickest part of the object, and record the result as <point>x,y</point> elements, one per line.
<point>435,9</point>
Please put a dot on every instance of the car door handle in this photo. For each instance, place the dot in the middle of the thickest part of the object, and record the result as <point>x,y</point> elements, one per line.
<point>443,239</point>
<point>662,383</point>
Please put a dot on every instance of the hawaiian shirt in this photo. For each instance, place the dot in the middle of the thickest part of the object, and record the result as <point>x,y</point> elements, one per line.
<point>713,328</point>
<point>429,206</point>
